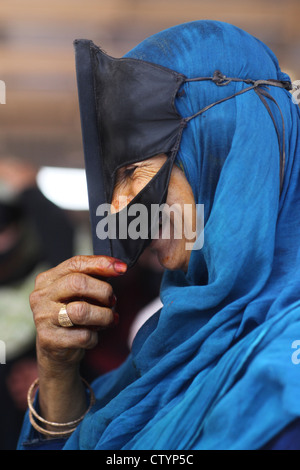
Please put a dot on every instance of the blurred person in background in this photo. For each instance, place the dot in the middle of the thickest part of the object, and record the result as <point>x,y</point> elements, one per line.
<point>34,234</point>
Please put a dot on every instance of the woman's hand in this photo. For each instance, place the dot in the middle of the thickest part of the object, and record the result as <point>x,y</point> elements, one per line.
<point>89,303</point>
<point>77,284</point>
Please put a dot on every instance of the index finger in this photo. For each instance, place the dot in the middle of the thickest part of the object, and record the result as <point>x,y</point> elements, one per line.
<point>101,266</point>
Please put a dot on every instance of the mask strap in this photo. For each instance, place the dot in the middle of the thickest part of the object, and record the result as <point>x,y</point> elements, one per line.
<point>263,93</point>
<point>221,80</point>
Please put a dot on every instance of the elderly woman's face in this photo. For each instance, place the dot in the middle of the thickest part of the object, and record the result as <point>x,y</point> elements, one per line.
<point>131,179</point>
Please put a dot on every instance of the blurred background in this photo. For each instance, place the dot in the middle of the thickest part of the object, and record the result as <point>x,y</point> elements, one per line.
<point>40,121</point>
<point>40,139</point>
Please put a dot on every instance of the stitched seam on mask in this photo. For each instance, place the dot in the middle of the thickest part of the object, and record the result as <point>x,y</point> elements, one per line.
<point>126,59</point>
<point>99,140</point>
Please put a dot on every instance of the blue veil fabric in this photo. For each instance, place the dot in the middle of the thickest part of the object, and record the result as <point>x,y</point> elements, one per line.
<point>213,369</point>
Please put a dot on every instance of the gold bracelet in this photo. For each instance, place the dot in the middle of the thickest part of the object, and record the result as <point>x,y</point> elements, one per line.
<point>46,432</point>
<point>74,423</point>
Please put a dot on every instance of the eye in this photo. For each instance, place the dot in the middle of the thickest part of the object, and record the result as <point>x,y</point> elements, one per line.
<point>124,175</point>
<point>128,171</point>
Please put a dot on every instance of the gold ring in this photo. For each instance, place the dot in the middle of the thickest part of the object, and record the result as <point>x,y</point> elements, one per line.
<point>63,318</point>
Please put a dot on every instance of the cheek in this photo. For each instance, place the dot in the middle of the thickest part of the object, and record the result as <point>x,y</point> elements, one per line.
<point>173,255</point>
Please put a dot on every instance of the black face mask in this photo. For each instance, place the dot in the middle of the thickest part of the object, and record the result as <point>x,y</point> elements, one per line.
<point>127,115</point>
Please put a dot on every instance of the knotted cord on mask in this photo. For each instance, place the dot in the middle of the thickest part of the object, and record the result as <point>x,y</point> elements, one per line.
<point>221,80</point>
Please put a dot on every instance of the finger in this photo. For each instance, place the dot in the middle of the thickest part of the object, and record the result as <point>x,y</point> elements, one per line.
<point>102,266</point>
<point>61,339</point>
<point>82,286</point>
<point>85,314</point>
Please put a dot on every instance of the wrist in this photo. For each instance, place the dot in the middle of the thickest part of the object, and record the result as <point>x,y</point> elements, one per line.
<point>58,367</point>
<point>62,399</point>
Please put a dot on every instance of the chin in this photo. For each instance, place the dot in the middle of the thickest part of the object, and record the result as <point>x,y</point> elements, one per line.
<point>174,260</point>
<point>171,253</point>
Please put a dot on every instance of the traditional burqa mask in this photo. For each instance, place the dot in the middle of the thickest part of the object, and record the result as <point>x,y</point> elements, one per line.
<point>128,115</point>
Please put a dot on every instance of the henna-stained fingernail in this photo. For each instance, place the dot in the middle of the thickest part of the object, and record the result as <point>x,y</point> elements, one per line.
<point>120,267</point>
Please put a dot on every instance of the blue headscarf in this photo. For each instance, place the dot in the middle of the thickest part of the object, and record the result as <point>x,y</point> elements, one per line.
<point>213,369</point>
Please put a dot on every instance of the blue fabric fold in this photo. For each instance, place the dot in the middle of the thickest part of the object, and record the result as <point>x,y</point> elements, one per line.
<point>213,369</point>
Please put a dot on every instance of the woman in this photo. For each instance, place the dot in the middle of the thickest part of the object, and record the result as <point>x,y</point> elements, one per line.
<point>213,369</point>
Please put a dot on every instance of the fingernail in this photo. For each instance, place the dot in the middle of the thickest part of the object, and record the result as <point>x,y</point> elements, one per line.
<point>120,267</point>
<point>116,318</point>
